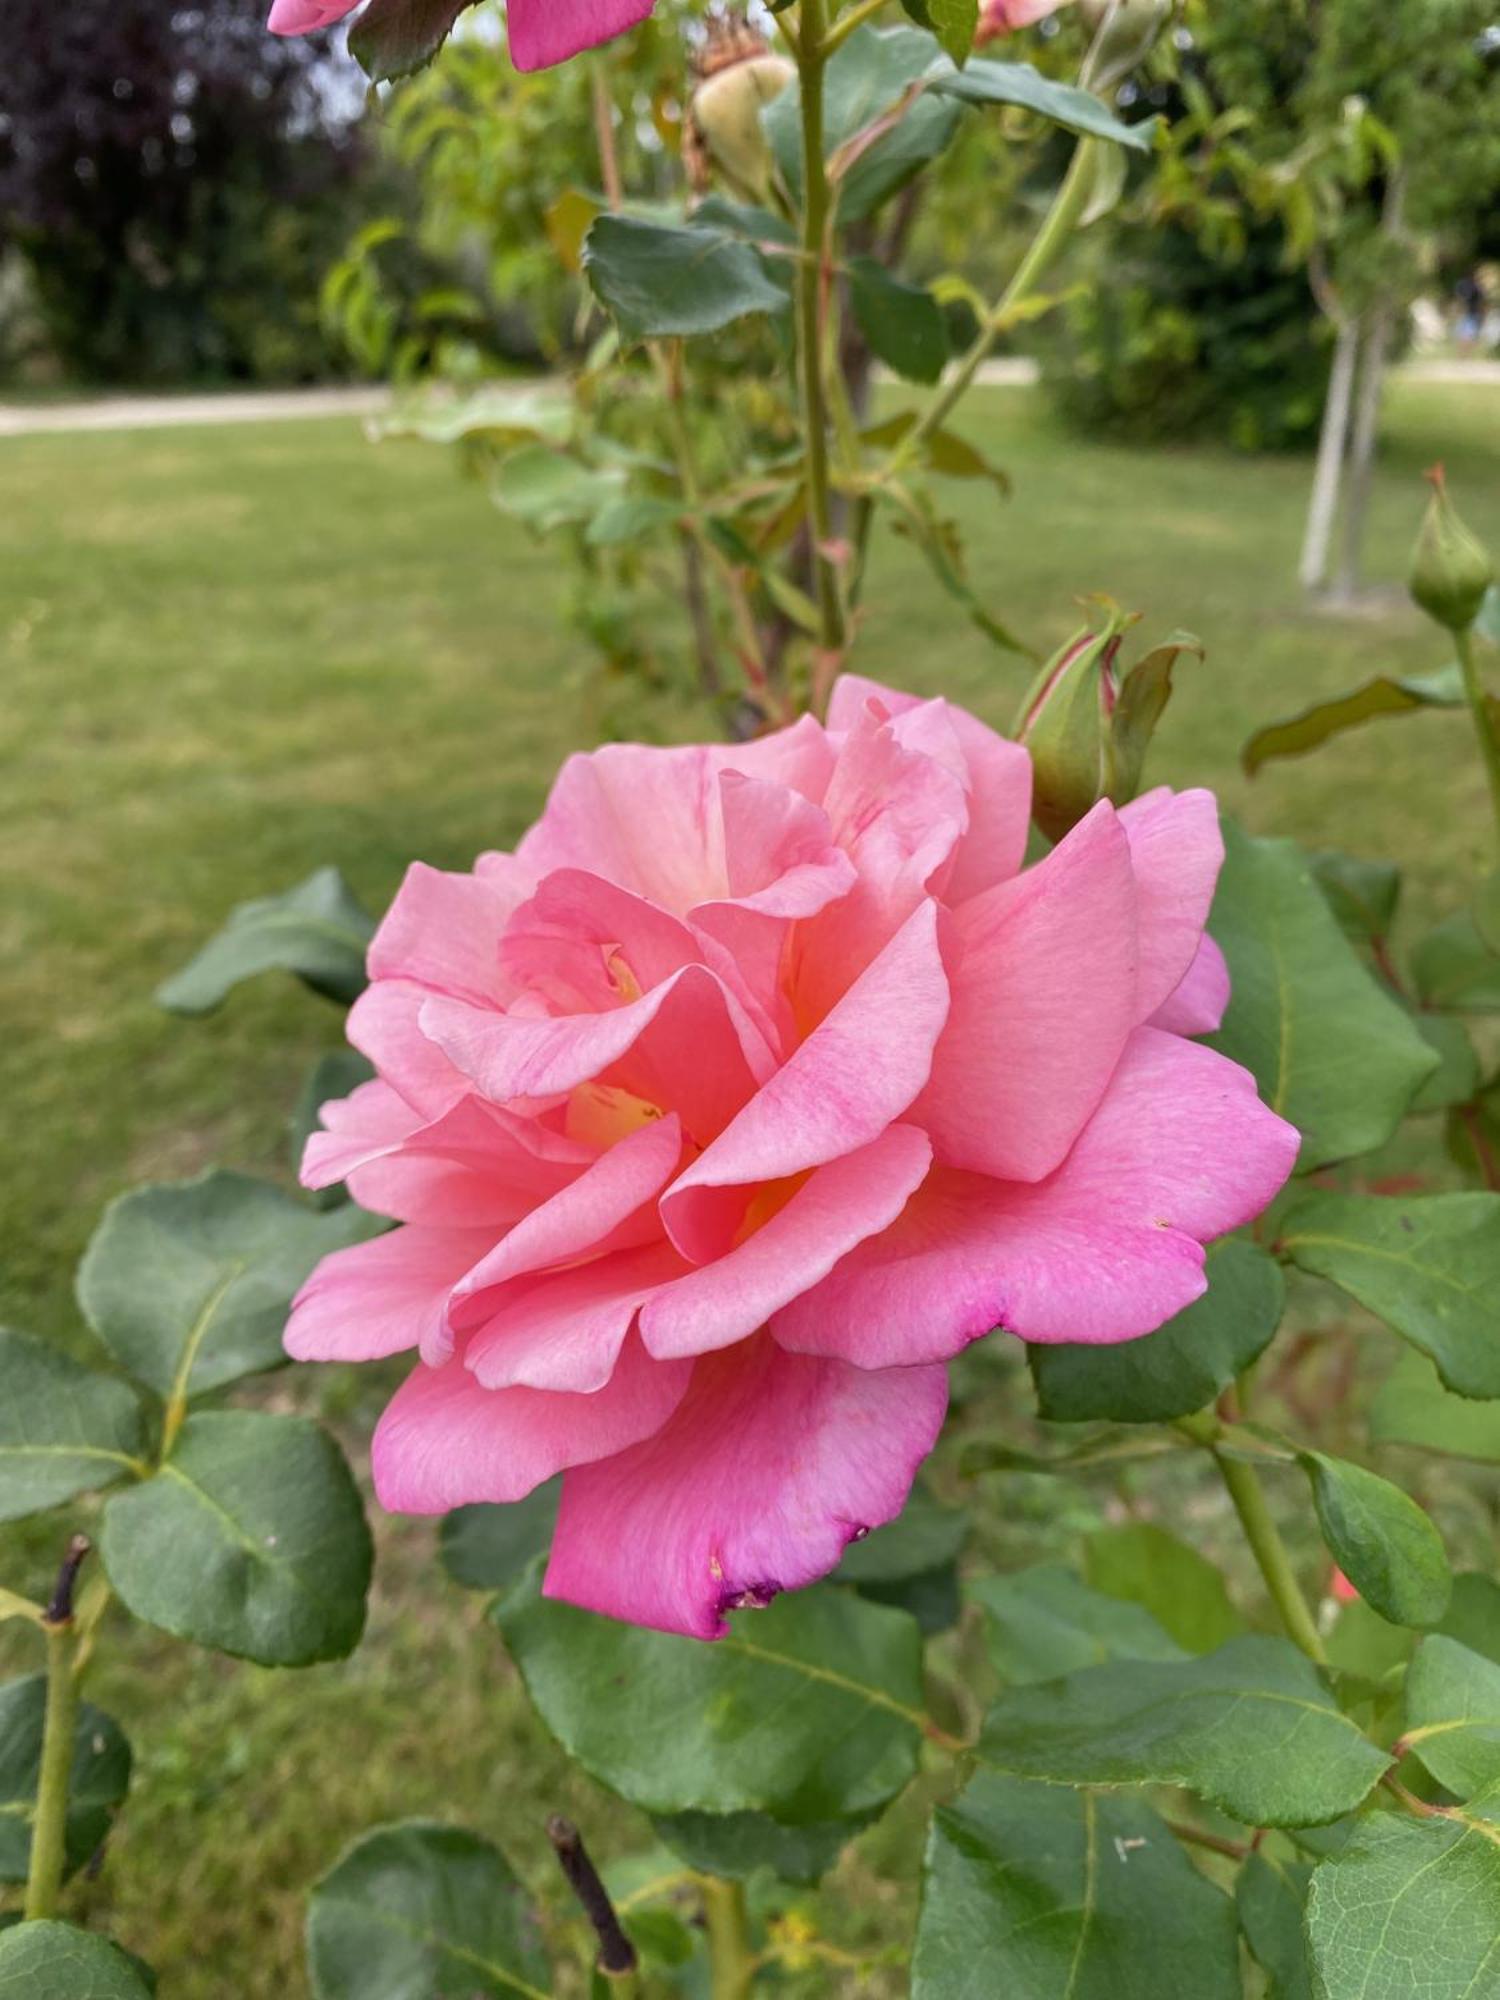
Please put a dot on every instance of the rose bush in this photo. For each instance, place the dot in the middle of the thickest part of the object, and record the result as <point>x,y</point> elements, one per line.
<point>753,1086</point>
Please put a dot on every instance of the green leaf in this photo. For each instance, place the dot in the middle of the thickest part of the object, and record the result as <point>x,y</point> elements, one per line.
<point>1362,894</point>
<point>1043,1622</point>
<point>48,1960</point>
<point>1453,1715</point>
<point>923,1536</point>
<point>189,1284</point>
<point>1473,1614</point>
<point>1384,695</point>
<point>1042,1894</point>
<point>1428,1265</point>
<point>891,162</point>
<point>740,1844</point>
<point>1142,701</point>
<point>546,489</point>
<point>394,37</point>
<point>1455,969</point>
<point>1408,1906</point>
<point>807,1710</point>
<point>498,415</point>
<point>317,930</point>
<point>1411,1406</point>
<point>1270,1897</point>
<point>1381,1540</point>
<point>657,279</point>
<point>63,1428</point>
<point>943,451</point>
<point>902,323</point>
<point>633,517</point>
<point>486,1547</point>
<point>251,1539</point>
<point>1456,1078</point>
<point>1182,1590</point>
<point>98,1780</point>
<point>419,1911</point>
<point>1330,1050</point>
<point>953,22</point>
<point>1251,1728</point>
<point>987,82</point>
<point>1181,1367</point>
<point>336,1074</point>
<point>911,1563</point>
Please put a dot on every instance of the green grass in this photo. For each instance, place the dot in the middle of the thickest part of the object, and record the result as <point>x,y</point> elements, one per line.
<point>233,654</point>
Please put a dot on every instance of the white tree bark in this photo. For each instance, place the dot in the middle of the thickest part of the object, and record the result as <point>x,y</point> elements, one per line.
<point>1323,507</point>
<point>1375,347</point>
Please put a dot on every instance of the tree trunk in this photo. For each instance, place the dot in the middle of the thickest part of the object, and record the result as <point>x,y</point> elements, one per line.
<point>1323,507</point>
<point>1375,346</point>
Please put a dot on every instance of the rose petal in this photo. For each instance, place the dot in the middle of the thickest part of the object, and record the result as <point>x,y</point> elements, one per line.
<point>1196,1006</point>
<point>1176,850</point>
<point>565,1330</point>
<point>381,1297</point>
<point>446,1442</point>
<point>770,1466</point>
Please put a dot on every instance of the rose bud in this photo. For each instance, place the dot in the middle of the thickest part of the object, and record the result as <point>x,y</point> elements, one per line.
<point>1004,17</point>
<point>1450,570</point>
<point>1065,723</point>
<point>737,78</point>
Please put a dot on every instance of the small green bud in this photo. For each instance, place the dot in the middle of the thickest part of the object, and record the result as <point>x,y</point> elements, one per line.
<point>1450,570</point>
<point>1125,32</point>
<point>1065,723</point>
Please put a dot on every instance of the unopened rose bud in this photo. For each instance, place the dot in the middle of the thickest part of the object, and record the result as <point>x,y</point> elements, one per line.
<point>725,135</point>
<point>1450,570</point>
<point>1065,723</point>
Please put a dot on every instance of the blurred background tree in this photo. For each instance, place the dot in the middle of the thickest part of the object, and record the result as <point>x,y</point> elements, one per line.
<point>173,184</point>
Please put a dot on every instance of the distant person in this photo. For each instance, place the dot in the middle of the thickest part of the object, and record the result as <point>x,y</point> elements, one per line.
<point>1469,296</point>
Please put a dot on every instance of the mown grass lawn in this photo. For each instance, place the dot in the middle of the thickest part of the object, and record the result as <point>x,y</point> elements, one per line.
<point>231,655</point>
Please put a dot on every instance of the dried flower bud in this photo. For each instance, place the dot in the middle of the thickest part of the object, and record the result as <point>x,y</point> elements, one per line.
<point>737,78</point>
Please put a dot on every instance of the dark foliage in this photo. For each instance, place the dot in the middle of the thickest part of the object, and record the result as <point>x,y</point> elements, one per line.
<point>177,180</point>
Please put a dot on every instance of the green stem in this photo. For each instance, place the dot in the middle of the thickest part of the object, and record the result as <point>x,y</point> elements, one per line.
<point>812,277</point>
<point>1484,720</point>
<point>1242,1483</point>
<point>731,1961</point>
<point>1061,218</point>
<point>49,1829</point>
<point>847,23</point>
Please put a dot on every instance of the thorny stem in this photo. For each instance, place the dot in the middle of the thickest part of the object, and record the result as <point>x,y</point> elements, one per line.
<point>1242,1483</point>
<point>811,52</point>
<point>49,1829</point>
<point>731,1960</point>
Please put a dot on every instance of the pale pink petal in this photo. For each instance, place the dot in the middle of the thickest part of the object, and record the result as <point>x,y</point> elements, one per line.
<point>565,1330</point>
<point>384,1025</point>
<point>998,784</point>
<point>1196,1007</point>
<point>799,757</point>
<point>304,17</point>
<point>545,32</point>
<point>1180,1151</point>
<point>381,1297</point>
<point>855,1074</point>
<point>896,809</point>
<point>770,1466</point>
<point>373,1119</point>
<point>1043,971</point>
<point>1176,850</point>
<point>476,1164</point>
<point>645,818</point>
<point>443,931</point>
<point>779,853</point>
<point>835,1208</point>
<point>446,1442</point>
<point>583,1218</point>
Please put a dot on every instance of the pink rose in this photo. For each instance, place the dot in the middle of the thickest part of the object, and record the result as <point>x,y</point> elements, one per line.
<point>755,1084</point>
<point>542,32</point>
<point>1003,17</point>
